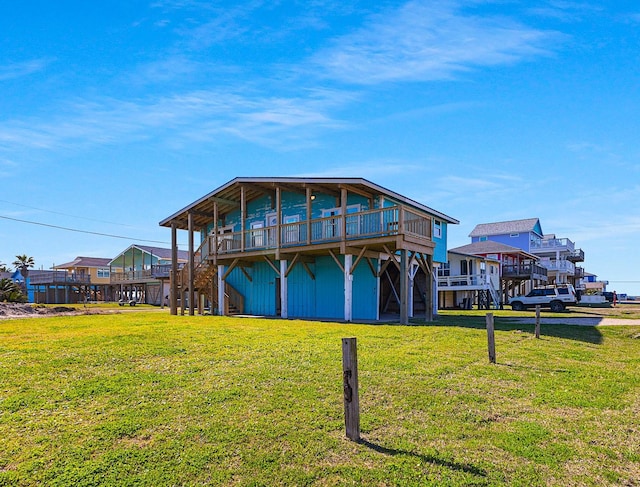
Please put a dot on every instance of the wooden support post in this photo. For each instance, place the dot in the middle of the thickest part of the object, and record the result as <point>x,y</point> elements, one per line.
<point>284,293</point>
<point>491,338</point>
<point>404,288</point>
<point>173,282</point>
<point>538,321</point>
<point>221,307</point>
<point>431,284</point>
<point>191,266</point>
<point>350,388</point>
<point>348,288</point>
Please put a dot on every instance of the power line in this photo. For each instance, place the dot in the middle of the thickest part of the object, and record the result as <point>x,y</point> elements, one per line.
<point>66,214</point>
<point>83,231</point>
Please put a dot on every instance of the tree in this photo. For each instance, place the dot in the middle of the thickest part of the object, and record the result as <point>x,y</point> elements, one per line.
<point>10,292</point>
<point>22,264</point>
<point>3,267</point>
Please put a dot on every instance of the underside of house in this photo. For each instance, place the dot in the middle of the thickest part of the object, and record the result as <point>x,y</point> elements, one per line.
<point>321,248</point>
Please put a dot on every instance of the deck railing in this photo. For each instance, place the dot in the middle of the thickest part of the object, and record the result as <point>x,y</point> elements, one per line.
<point>358,225</point>
<point>552,244</point>
<point>59,277</point>
<point>528,270</point>
<point>155,272</point>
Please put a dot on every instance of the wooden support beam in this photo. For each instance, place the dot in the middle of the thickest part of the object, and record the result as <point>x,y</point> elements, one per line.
<point>192,266</point>
<point>404,289</point>
<point>337,261</point>
<point>371,266</point>
<point>308,198</point>
<point>392,256</point>
<point>306,268</point>
<point>173,289</point>
<point>246,274</point>
<point>384,266</point>
<point>243,215</point>
<point>231,267</point>
<point>223,201</point>
<point>272,265</point>
<point>360,255</point>
<point>292,264</point>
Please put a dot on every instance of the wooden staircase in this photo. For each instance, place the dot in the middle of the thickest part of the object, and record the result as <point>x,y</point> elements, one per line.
<point>205,283</point>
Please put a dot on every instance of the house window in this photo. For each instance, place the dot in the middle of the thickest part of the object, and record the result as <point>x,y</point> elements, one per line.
<point>257,234</point>
<point>103,272</point>
<point>291,231</point>
<point>482,239</point>
<point>331,227</point>
<point>437,229</point>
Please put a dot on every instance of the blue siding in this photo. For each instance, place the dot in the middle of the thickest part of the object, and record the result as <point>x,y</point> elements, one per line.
<point>365,292</point>
<point>440,252</point>
<point>302,292</point>
<point>521,241</point>
<point>259,293</point>
<point>329,289</point>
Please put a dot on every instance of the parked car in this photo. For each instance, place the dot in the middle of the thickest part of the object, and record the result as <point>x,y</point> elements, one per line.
<point>554,297</point>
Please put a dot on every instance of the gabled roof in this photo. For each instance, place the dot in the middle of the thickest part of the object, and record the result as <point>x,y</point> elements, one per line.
<point>228,196</point>
<point>491,247</point>
<point>85,262</point>
<point>161,253</point>
<point>502,228</point>
<point>468,254</point>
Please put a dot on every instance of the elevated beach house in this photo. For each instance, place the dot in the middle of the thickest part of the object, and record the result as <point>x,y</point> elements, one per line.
<point>325,248</point>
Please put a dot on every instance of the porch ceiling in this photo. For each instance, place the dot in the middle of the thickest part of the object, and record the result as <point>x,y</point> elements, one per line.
<point>228,196</point>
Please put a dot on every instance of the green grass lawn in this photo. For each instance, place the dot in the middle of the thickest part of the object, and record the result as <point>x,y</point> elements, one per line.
<point>151,399</point>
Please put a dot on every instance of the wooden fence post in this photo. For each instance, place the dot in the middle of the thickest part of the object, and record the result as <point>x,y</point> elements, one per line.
<point>350,387</point>
<point>538,321</point>
<point>491,338</point>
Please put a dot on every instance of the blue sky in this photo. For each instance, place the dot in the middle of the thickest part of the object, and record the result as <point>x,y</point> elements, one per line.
<point>114,115</point>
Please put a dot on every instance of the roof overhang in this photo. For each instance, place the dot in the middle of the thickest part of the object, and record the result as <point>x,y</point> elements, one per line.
<point>228,196</point>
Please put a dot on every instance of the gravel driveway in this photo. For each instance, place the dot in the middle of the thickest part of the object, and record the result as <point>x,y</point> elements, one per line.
<point>600,321</point>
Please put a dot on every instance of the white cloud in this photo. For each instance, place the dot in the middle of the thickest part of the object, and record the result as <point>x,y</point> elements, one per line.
<point>196,115</point>
<point>24,68</point>
<point>424,41</point>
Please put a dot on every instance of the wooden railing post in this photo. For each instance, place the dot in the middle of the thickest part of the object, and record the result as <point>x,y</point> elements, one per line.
<point>350,388</point>
<point>491,338</point>
<point>538,321</point>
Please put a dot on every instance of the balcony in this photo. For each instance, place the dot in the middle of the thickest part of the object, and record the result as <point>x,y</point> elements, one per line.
<point>552,245</point>
<point>59,278</point>
<point>474,281</point>
<point>576,256</point>
<point>524,270</point>
<point>371,224</point>
<point>143,275</point>
<point>561,266</point>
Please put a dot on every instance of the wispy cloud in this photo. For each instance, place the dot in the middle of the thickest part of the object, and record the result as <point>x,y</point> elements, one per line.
<point>198,115</point>
<point>24,68</point>
<point>372,169</point>
<point>424,41</point>
<point>566,11</point>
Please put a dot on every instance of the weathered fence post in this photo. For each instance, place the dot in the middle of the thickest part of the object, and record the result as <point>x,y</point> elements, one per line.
<point>350,387</point>
<point>538,321</point>
<point>491,338</point>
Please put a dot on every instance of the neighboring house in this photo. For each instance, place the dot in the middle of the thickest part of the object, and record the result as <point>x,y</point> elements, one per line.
<point>523,234</point>
<point>335,248</point>
<point>557,255</point>
<point>141,273</point>
<point>467,280</point>
<point>83,279</point>
<point>591,284</point>
<point>520,271</point>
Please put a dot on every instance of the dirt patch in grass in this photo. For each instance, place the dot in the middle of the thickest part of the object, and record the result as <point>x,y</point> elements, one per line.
<point>26,310</point>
